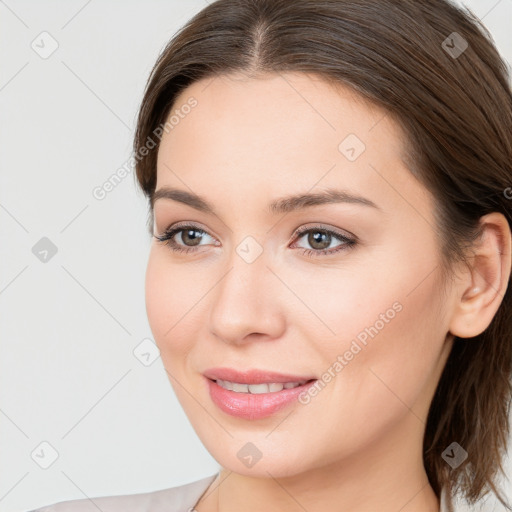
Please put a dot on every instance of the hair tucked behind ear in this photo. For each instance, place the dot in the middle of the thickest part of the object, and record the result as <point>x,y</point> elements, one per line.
<point>457,113</point>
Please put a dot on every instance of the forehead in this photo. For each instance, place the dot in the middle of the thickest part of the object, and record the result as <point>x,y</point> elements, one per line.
<point>236,105</point>
<point>280,131</point>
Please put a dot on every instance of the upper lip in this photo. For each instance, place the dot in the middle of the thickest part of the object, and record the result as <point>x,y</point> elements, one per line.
<point>253,376</point>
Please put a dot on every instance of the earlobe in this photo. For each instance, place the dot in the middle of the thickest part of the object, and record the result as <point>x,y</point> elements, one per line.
<point>481,292</point>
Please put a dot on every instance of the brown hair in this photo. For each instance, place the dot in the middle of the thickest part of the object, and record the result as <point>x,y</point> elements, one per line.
<point>456,110</point>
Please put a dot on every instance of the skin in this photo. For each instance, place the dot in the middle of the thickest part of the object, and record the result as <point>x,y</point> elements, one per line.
<point>357,446</point>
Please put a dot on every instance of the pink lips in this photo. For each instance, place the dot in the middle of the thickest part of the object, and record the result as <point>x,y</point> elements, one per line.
<point>253,406</point>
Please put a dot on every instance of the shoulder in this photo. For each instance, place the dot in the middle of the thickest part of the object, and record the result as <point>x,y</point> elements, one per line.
<point>176,498</point>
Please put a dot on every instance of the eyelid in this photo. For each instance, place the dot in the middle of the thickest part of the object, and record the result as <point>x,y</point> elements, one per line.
<point>186,224</point>
<point>298,232</point>
<point>322,227</point>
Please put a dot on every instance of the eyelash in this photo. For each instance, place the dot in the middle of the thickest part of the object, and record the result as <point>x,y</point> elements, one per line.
<point>348,243</point>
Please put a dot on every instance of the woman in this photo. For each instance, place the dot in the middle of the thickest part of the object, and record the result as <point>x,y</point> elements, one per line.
<point>330,204</point>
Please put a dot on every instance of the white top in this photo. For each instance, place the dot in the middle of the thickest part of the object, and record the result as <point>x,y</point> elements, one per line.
<point>182,498</point>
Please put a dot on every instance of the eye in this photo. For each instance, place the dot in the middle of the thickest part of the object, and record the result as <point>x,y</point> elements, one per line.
<point>320,238</point>
<point>188,233</point>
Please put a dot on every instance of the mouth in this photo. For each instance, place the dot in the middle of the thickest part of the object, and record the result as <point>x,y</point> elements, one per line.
<point>259,388</point>
<point>254,401</point>
<point>254,377</point>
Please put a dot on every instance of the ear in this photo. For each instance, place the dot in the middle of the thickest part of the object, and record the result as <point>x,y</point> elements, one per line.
<point>483,286</point>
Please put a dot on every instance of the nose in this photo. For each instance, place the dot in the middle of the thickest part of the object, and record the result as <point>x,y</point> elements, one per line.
<point>246,304</point>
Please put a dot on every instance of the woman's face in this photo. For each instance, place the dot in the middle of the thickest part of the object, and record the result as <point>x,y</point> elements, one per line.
<point>364,314</point>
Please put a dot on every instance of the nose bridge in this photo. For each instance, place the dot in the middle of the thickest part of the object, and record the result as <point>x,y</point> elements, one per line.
<point>243,302</point>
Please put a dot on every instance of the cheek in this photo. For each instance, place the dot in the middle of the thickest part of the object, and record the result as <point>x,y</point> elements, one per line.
<point>381,317</point>
<point>385,366</point>
<point>171,303</point>
<point>343,302</point>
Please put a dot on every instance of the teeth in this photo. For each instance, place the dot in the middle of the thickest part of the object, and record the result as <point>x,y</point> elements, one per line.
<point>258,388</point>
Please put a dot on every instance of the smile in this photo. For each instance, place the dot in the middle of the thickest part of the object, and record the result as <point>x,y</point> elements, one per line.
<point>257,389</point>
<point>255,401</point>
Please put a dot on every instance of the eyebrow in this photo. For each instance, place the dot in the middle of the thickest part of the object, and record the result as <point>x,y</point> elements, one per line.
<point>278,206</point>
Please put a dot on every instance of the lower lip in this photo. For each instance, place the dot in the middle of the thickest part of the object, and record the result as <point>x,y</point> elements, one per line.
<point>253,406</point>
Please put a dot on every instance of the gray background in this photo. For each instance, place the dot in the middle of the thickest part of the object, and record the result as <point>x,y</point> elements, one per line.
<point>70,325</point>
